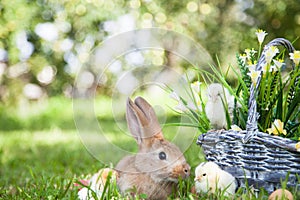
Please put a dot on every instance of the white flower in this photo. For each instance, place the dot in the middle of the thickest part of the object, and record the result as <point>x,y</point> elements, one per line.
<point>277,127</point>
<point>253,51</point>
<point>192,106</point>
<point>235,127</point>
<point>260,35</point>
<point>278,63</point>
<point>295,57</point>
<point>252,67</point>
<point>250,53</point>
<point>174,95</point>
<point>267,68</point>
<point>273,68</point>
<point>243,57</point>
<point>270,53</point>
<point>254,76</point>
<point>181,106</point>
<point>196,87</point>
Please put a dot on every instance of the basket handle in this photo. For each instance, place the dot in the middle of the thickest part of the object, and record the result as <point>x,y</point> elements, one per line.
<point>253,115</point>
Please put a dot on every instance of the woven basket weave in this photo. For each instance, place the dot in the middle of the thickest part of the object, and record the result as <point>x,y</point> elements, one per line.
<point>252,157</point>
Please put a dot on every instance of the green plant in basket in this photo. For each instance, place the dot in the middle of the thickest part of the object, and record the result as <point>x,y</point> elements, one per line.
<point>277,96</point>
<point>193,106</point>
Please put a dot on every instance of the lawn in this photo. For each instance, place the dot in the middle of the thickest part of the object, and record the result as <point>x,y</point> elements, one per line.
<point>42,155</point>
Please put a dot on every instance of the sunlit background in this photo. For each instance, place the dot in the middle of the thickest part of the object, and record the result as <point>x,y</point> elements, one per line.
<point>43,44</point>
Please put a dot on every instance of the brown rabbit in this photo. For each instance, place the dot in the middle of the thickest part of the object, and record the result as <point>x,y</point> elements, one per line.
<point>158,165</point>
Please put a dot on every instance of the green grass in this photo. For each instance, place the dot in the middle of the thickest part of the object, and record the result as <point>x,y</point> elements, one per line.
<point>56,112</point>
<point>41,164</point>
<point>46,164</point>
<point>43,161</point>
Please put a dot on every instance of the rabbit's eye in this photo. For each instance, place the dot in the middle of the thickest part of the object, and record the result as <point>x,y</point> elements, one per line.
<point>204,174</point>
<point>162,155</point>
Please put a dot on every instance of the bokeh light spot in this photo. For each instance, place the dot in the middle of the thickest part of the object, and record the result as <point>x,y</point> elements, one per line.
<point>135,4</point>
<point>192,6</point>
<point>80,9</point>
<point>205,9</point>
<point>32,91</point>
<point>160,17</point>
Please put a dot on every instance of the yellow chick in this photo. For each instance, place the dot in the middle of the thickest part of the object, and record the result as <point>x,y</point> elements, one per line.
<point>214,108</point>
<point>281,194</point>
<point>209,177</point>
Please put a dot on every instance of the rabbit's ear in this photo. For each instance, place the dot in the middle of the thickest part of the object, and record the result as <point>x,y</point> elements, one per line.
<point>142,120</point>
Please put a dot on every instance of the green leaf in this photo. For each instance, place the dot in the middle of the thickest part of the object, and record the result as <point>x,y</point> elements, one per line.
<point>227,115</point>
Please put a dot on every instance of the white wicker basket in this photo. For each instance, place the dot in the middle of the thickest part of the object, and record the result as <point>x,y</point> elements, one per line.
<point>252,157</point>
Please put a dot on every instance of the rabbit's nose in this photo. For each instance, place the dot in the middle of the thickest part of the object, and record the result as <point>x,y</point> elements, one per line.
<point>186,170</point>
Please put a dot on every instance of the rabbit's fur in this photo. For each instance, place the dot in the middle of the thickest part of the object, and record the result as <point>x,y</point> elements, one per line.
<point>158,165</point>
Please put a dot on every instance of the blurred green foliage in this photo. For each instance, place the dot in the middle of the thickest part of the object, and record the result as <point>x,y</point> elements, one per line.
<point>54,113</point>
<point>61,34</point>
